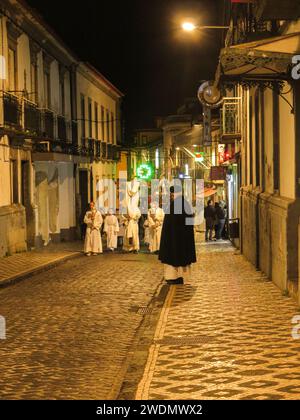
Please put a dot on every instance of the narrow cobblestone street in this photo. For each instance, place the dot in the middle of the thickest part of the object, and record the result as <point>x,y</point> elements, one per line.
<point>69,329</point>
<point>225,335</point>
<point>82,331</point>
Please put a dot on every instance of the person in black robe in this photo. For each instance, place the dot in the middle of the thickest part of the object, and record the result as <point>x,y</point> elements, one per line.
<point>177,245</point>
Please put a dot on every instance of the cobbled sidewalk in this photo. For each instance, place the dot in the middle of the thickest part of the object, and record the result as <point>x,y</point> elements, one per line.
<point>19,266</point>
<point>69,329</point>
<point>224,335</point>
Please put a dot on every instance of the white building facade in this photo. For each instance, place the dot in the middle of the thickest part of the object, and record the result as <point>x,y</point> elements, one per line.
<point>43,145</point>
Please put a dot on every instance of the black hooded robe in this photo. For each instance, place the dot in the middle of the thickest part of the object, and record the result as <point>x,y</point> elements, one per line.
<point>177,244</point>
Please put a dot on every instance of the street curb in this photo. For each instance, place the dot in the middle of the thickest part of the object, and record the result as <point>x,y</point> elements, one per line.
<point>44,267</point>
<point>144,335</point>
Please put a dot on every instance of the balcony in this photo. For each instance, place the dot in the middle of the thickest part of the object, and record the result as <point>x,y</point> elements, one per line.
<point>48,120</point>
<point>116,153</point>
<point>12,111</point>
<point>98,149</point>
<point>231,120</point>
<point>32,118</point>
<point>91,147</point>
<point>62,128</point>
<point>84,147</point>
<point>109,152</point>
<point>104,150</point>
<point>74,132</point>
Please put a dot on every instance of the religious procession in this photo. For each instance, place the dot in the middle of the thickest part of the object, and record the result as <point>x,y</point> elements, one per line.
<point>167,235</point>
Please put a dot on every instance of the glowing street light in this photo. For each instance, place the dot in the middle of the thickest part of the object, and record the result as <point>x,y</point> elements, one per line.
<point>188,26</point>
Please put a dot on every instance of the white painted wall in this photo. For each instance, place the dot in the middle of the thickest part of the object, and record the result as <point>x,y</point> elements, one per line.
<point>23,60</point>
<point>90,90</point>
<point>5,188</point>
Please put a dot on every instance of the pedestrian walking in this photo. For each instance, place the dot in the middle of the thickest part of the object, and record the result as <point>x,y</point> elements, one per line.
<point>220,216</point>
<point>210,219</point>
<point>93,221</point>
<point>111,228</point>
<point>177,246</point>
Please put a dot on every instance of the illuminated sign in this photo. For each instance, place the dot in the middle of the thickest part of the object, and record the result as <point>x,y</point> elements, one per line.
<point>145,171</point>
<point>199,156</point>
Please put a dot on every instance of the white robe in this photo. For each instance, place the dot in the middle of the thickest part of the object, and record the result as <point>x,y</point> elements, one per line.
<point>93,242</point>
<point>111,227</point>
<point>155,221</point>
<point>132,195</point>
<point>131,234</point>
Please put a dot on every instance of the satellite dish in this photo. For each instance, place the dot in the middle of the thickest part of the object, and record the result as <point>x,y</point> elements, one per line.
<point>210,95</point>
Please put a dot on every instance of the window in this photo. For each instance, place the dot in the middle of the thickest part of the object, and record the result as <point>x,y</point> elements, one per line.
<point>33,83</point>
<point>62,95</point>
<point>102,124</point>
<point>47,89</point>
<point>12,70</point>
<point>108,126</point>
<point>82,107</point>
<point>112,117</point>
<point>90,118</point>
<point>96,121</point>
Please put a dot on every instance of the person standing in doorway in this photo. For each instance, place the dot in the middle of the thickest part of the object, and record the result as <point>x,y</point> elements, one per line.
<point>210,218</point>
<point>93,221</point>
<point>177,245</point>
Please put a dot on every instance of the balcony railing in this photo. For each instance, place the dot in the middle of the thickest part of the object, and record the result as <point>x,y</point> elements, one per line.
<point>62,128</point>
<point>103,150</point>
<point>12,111</point>
<point>48,120</point>
<point>91,147</point>
<point>74,132</point>
<point>109,151</point>
<point>98,149</point>
<point>32,118</point>
<point>231,118</point>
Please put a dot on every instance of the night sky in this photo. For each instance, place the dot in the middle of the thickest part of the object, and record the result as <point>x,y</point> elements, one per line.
<point>139,46</point>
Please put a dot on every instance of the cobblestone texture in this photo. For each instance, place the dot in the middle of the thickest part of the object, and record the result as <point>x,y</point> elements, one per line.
<point>23,264</point>
<point>225,335</point>
<point>69,329</point>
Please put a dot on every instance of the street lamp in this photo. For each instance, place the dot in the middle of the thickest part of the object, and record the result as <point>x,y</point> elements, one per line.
<point>190,27</point>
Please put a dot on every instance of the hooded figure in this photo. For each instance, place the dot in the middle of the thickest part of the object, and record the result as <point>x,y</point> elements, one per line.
<point>131,234</point>
<point>155,222</point>
<point>111,228</point>
<point>177,245</point>
<point>93,242</point>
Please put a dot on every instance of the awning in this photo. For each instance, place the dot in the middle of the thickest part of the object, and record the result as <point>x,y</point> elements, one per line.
<point>267,57</point>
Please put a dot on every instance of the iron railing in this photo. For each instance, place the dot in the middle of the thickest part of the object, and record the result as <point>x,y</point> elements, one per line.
<point>231,117</point>
<point>12,111</point>
<point>32,118</point>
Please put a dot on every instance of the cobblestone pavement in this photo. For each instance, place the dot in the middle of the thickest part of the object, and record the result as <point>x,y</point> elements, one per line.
<point>25,263</point>
<point>226,334</point>
<point>69,329</point>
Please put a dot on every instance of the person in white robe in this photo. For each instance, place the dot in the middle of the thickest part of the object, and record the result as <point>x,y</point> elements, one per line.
<point>132,194</point>
<point>155,221</point>
<point>111,228</point>
<point>93,243</point>
<point>131,234</point>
